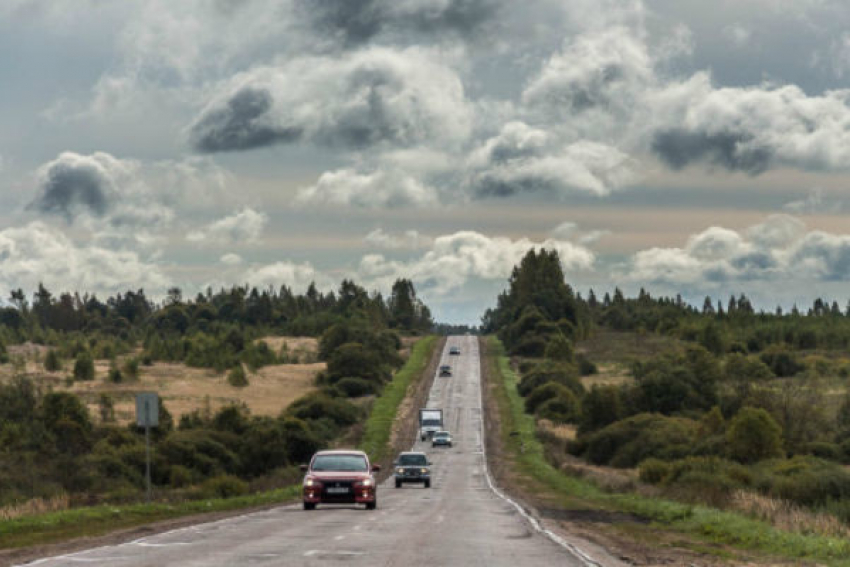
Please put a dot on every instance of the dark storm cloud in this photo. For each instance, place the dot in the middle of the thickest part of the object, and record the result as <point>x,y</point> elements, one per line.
<point>70,187</point>
<point>358,21</point>
<point>242,124</point>
<point>679,148</point>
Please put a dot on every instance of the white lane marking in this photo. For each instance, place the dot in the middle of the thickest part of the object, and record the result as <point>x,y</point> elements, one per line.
<point>149,544</point>
<point>97,559</point>
<point>581,555</point>
<point>357,528</point>
<point>193,528</point>
<point>339,537</point>
<point>313,552</point>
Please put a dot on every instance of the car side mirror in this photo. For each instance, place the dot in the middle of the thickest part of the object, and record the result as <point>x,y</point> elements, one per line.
<point>303,468</point>
<point>376,468</point>
<point>429,463</point>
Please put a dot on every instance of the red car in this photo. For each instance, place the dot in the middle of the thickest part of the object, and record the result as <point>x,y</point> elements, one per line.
<point>340,477</point>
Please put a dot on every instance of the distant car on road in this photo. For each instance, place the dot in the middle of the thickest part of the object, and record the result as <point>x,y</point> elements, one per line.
<point>445,370</point>
<point>441,438</point>
<point>339,477</point>
<point>454,350</point>
<point>412,467</point>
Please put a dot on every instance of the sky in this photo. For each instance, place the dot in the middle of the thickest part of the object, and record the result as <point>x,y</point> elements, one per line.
<point>687,147</point>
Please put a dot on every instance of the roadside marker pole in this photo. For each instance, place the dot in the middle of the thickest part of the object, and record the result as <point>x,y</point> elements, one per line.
<point>147,452</point>
<point>147,416</point>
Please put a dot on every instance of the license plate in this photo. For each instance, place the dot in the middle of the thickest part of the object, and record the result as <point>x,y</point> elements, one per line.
<point>335,490</point>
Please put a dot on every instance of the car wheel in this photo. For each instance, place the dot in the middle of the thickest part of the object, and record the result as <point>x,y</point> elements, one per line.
<point>433,445</point>
<point>450,444</point>
<point>398,484</point>
<point>427,484</point>
<point>371,505</point>
<point>309,505</point>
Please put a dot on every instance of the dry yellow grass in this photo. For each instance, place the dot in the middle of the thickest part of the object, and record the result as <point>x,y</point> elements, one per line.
<point>36,506</point>
<point>787,516</point>
<point>182,388</point>
<point>610,374</point>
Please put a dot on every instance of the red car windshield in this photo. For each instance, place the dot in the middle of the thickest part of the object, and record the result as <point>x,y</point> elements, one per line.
<point>340,463</point>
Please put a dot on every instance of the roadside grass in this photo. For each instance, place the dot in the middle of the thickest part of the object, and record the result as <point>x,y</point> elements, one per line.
<point>378,428</point>
<point>711,526</point>
<point>99,520</point>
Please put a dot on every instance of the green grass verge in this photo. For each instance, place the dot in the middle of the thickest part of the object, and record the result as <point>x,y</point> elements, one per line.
<point>710,525</point>
<point>98,520</point>
<point>376,435</point>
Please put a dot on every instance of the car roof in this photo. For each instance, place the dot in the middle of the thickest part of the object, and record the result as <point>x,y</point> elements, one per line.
<point>341,452</point>
<point>412,453</point>
<point>439,432</point>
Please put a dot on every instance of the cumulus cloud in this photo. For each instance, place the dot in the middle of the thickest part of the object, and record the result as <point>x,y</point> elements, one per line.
<point>779,249</point>
<point>377,188</point>
<point>74,183</point>
<point>37,253</point>
<point>408,240</point>
<point>523,159</point>
<point>365,98</point>
<point>454,259</point>
<point>240,227</point>
<point>231,259</point>
<point>814,202</point>
<point>358,21</point>
<point>294,275</point>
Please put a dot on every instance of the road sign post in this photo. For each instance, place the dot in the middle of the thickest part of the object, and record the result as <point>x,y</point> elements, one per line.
<point>147,416</point>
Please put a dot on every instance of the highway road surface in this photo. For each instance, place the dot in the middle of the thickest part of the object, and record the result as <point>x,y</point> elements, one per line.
<point>460,520</point>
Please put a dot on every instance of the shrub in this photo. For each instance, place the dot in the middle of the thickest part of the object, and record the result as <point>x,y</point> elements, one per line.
<point>354,359</point>
<point>52,363</point>
<point>807,480</point>
<point>84,366</point>
<point>782,362</point>
<point>559,348</point>
<point>131,368</point>
<point>653,471</point>
<point>560,409</point>
<point>753,435</point>
<point>585,366</point>
<point>544,393</point>
<point>317,406</point>
<point>224,486</point>
<point>531,346</point>
<point>558,372</point>
<point>628,442</point>
<point>355,387</point>
<point>236,377</point>
<point>824,450</point>
<point>180,477</point>
<point>200,450</point>
<point>600,407</point>
<point>115,375</point>
<point>258,354</point>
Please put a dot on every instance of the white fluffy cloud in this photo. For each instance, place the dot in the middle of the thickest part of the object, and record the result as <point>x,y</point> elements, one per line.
<point>408,240</point>
<point>523,159</point>
<point>244,226</point>
<point>388,188</point>
<point>36,253</point>
<point>364,98</point>
<point>453,259</point>
<point>296,276</point>
<point>777,250</point>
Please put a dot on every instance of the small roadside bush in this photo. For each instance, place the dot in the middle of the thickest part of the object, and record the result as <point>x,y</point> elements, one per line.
<point>224,486</point>
<point>806,480</point>
<point>601,406</point>
<point>531,346</point>
<point>559,347</point>
<point>560,409</point>
<point>355,387</point>
<point>237,377</point>
<point>753,435</point>
<point>84,367</point>
<point>558,372</point>
<point>782,362</point>
<point>180,477</point>
<point>115,376</point>
<point>653,471</point>
<point>316,406</point>
<point>52,363</point>
<point>628,442</point>
<point>131,368</point>
<point>586,367</point>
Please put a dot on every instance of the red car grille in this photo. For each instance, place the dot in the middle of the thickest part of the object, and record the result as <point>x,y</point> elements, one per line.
<point>332,491</point>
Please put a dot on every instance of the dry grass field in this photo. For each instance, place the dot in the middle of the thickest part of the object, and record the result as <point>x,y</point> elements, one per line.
<point>182,388</point>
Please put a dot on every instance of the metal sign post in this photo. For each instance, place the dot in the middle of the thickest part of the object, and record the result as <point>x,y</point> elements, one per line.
<point>147,416</point>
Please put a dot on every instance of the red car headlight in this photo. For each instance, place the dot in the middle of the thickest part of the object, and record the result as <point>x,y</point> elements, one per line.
<point>311,482</point>
<point>365,483</point>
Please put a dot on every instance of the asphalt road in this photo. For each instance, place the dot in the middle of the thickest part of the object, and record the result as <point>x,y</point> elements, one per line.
<point>460,520</point>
